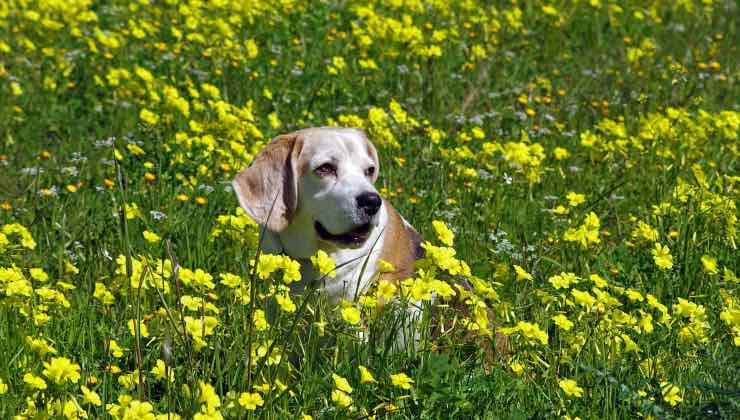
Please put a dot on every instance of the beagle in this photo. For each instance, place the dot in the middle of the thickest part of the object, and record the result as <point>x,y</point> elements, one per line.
<point>313,190</point>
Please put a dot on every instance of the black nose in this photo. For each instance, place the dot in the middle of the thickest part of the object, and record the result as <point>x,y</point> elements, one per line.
<point>370,202</point>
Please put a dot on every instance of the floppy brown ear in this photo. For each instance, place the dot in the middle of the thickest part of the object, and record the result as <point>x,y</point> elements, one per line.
<point>271,178</point>
<point>372,152</point>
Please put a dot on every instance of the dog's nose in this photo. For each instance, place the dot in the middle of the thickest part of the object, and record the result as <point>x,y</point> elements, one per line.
<point>370,202</point>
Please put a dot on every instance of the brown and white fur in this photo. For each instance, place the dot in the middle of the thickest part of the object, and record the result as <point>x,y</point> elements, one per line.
<point>319,184</point>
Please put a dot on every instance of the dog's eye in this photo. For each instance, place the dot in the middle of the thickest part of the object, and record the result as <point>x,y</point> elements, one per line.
<point>369,172</point>
<point>327,169</point>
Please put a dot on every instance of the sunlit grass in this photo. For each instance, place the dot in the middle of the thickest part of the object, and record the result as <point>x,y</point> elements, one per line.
<point>580,158</point>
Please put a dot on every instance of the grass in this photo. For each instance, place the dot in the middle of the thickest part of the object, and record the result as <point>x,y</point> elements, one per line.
<point>118,118</point>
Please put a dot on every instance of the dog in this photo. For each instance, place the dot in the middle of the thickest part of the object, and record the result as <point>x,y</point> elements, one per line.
<point>312,190</point>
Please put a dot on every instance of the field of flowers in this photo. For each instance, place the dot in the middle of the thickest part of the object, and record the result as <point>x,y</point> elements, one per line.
<point>577,162</point>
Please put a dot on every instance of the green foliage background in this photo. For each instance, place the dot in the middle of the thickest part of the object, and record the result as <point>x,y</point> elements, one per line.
<point>121,117</point>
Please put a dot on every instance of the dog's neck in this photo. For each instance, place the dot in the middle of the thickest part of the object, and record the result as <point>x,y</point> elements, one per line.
<point>356,266</point>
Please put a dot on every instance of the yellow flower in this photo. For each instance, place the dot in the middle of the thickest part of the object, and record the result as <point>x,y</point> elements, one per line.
<point>19,288</point>
<point>129,380</point>
<point>267,265</point>
<point>367,301</point>
<point>688,309</point>
<point>368,64</point>
<point>444,258</point>
<point>39,274</point>
<point>402,381</point>
<point>144,74</point>
<point>251,400</point>
<point>671,393</point>
<point>135,150</point>
<point>148,117</point>
<point>366,377</point>
<point>285,303</point>
<point>69,268</point>
<point>731,317</point>
<point>203,279</point>
<point>341,399</point>
<point>151,236</point>
<point>230,280</point>
<point>138,410</point>
<point>386,289</point>
<point>385,267</point>
<point>90,397</point>
<point>598,280</point>
<point>549,10</point>
<point>563,322</point>
<point>583,298</point>
<point>132,211</point>
<point>662,257</point>
<point>517,368</point>
<point>143,331</point>
<point>15,89</point>
<point>532,331</point>
<point>72,410</point>
<point>27,240</point>
<point>634,295</point>
<point>160,371</point>
<point>251,48</point>
<point>729,276</point>
<point>337,65</point>
<point>274,120</point>
<point>575,199</point>
<point>115,350</point>
<point>61,369</point>
<point>341,384</point>
<point>291,270</point>
<point>560,210</point>
<point>208,396</point>
<point>200,328</point>
<point>323,263</point>
<point>211,90</point>
<point>571,388</point>
<point>521,274</point>
<point>709,264</point>
<point>3,387</point>
<point>34,382</point>
<point>260,322</point>
<point>563,280</point>
<point>560,153</point>
<point>444,234</point>
<point>40,346</point>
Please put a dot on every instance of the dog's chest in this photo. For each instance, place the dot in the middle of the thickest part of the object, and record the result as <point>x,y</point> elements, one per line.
<point>353,275</point>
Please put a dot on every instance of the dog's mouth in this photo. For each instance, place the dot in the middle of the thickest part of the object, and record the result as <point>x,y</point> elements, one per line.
<point>356,236</point>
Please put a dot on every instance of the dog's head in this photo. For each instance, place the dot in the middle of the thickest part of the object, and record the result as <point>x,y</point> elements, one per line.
<point>320,179</point>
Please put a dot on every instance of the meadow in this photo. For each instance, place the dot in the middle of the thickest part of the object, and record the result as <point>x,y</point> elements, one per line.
<point>575,161</point>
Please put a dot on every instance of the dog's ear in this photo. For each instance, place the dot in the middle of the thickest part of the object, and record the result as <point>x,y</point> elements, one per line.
<point>372,152</point>
<point>271,178</point>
